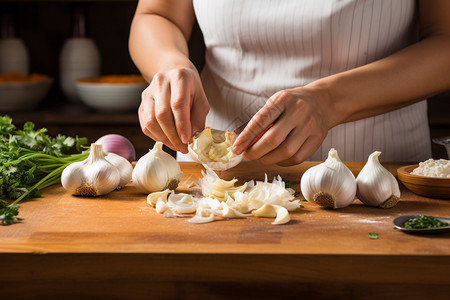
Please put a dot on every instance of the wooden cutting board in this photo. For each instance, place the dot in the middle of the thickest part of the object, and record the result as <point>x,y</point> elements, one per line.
<point>122,221</point>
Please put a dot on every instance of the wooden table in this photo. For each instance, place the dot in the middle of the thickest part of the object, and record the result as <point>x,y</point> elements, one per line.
<point>117,246</point>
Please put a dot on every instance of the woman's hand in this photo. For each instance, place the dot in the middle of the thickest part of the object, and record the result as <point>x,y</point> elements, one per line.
<point>291,125</point>
<point>173,107</point>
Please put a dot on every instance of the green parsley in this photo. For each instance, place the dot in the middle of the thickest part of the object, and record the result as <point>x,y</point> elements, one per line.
<point>424,222</point>
<point>373,236</point>
<point>31,160</point>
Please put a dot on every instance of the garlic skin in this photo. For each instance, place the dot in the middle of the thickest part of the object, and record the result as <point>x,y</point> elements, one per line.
<point>156,171</point>
<point>376,185</point>
<point>330,184</point>
<point>212,148</point>
<point>215,187</point>
<point>92,177</point>
<point>123,165</point>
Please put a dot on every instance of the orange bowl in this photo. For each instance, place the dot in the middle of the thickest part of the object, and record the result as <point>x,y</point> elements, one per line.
<point>433,187</point>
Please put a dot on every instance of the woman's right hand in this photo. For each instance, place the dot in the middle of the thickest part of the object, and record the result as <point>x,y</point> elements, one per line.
<point>173,107</point>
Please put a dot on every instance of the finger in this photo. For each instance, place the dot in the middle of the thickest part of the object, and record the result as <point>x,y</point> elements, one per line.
<point>180,102</point>
<point>149,124</point>
<point>308,148</point>
<point>164,116</point>
<point>270,140</point>
<point>199,111</point>
<point>285,150</point>
<point>257,125</point>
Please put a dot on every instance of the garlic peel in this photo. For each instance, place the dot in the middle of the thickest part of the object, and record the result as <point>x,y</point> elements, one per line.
<point>181,203</point>
<point>212,148</point>
<point>376,185</point>
<point>213,186</point>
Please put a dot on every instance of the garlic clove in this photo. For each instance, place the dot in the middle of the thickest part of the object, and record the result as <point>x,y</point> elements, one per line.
<point>94,176</point>
<point>265,211</point>
<point>152,198</point>
<point>282,215</point>
<point>213,148</point>
<point>376,186</point>
<point>156,171</point>
<point>123,165</point>
<point>329,184</point>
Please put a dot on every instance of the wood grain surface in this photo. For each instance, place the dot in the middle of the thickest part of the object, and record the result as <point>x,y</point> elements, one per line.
<point>122,244</point>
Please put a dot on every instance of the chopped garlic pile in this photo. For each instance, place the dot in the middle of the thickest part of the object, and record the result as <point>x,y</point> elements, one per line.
<point>433,168</point>
<point>223,199</point>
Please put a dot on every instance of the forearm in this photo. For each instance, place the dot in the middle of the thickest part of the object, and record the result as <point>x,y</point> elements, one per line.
<point>156,45</point>
<point>405,77</point>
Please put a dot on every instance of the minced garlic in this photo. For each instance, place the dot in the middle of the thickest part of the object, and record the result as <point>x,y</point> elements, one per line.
<point>433,168</point>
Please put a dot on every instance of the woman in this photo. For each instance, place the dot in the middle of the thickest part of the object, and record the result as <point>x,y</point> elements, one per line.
<point>311,75</point>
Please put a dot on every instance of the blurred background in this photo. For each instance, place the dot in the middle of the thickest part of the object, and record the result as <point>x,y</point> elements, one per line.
<point>45,29</point>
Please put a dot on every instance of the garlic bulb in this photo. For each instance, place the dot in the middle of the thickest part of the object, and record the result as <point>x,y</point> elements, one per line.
<point>212,148</point>
<point>92,177</point>
<point>123,165</point>
<point>156,171</point>
<point>330,184</point>
<point>376,185</point>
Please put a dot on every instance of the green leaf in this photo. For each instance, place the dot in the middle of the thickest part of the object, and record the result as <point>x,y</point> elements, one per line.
<point>31,160</point>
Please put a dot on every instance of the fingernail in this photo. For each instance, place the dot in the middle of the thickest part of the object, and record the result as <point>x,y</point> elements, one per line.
<point>237,150</point>
<point>184,138</point>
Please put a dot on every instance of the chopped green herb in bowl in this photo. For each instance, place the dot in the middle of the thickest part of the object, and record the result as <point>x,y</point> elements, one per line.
<point>424,222</point>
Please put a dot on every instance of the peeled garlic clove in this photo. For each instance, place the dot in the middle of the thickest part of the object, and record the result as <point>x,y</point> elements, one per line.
<point>278,212</point>
<point>92,177</point>
<point>156,171</point>
<point>265,211</point>
<point>212,148</point>
<point>154,197</point>
<point>181,203</point>
<point>282,215</point>
<point>376,185</point>
<point>330,184</point>
<point>123,165</point>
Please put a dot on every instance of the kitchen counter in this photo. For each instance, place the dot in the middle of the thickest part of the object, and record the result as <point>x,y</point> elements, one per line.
<point>117,246</point>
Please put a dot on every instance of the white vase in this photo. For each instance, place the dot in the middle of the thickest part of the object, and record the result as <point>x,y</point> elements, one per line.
<point>79,58</point>
<point>14,56</point>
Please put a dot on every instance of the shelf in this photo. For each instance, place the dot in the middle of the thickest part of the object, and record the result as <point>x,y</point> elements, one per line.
<point>74,114</point>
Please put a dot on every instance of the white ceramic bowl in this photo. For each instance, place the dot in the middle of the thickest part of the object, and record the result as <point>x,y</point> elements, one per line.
<point>111,97</point>
<point>23,96</point>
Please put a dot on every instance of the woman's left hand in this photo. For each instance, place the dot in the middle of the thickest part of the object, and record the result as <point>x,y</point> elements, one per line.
<point>288,129</point>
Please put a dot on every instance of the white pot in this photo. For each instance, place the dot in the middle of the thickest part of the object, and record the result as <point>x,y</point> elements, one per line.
<point>13,56</point>
<point>79,58</point>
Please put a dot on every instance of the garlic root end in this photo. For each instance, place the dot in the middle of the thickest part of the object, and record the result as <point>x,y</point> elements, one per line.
<point>172,185</point>
<point>324,199</point>
<point>390,202</point>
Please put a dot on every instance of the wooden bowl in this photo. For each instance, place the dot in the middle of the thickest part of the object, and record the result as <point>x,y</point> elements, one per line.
<point>433,187</point>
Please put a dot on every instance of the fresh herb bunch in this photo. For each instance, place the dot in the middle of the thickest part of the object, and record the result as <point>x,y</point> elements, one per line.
<point>31,160</point>
<point>424,222</point>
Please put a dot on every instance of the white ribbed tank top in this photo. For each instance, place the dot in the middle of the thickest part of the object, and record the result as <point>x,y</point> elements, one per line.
<point>258,47</point>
